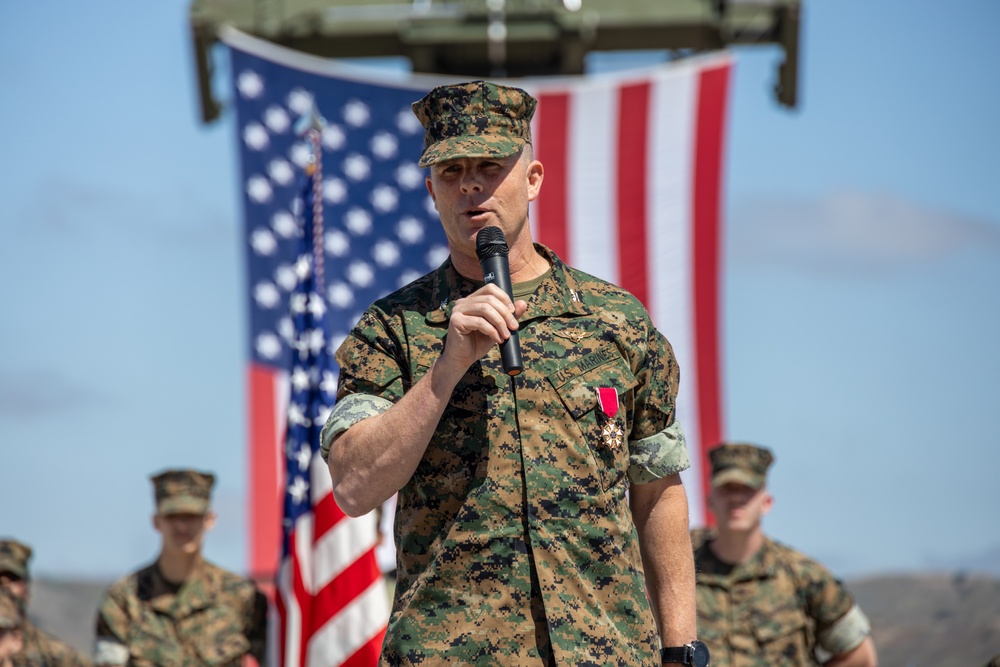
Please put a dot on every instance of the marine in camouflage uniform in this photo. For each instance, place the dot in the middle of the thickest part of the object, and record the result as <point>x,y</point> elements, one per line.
<point>211,617</point>
<point>515,541</point>
<point>39,648</point>
<point>778,607</point>
<point>11,619</point>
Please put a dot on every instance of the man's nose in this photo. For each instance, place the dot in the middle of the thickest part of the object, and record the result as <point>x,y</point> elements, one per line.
<point>471,183</point>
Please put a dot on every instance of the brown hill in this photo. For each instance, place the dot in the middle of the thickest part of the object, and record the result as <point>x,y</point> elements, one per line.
<point>929,620</point>
<point>932,620</point>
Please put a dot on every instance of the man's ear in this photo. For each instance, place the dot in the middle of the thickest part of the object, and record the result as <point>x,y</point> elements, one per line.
<point>209,520</point>
<point>430,191</point>
<point>768,503</point>
<point>535,175</point>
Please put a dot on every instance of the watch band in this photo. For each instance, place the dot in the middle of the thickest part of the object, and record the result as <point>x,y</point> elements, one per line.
<point>676,654</point>
<point>694,654</point>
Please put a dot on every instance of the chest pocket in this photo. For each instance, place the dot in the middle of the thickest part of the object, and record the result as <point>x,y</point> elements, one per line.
<point>605,435</point>
<point>216,634</point>
<point>783,638</point>
<point>152,641</point>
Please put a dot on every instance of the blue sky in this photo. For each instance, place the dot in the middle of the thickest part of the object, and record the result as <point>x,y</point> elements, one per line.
<point>861,291</point>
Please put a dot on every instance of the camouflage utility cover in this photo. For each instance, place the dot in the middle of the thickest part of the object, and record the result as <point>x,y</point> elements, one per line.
<point>475,119</point>
<point>515,542</point>
<point>41,648</point>
<point>772,611</point>
<point>14,557</point>
<point>182,491</point>
<point>741,463</point>
<point>214,618</point>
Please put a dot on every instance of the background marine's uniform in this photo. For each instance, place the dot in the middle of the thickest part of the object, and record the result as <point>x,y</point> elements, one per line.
<point>44,650</point>
<point>39,648</point>
<point>213,618</point>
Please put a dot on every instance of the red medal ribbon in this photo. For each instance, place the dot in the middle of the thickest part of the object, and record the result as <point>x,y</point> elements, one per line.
<point>607,398</point>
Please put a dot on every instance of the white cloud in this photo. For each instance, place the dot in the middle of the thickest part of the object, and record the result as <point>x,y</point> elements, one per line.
<point>852,230</point>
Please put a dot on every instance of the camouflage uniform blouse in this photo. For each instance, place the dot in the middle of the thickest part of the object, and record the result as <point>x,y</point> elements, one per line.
<point>515,543</point>
<point>44,650</point>
<point>214,618</point>
<point>774,610</point>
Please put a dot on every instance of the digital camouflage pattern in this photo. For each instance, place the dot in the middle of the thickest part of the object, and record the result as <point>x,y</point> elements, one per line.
<point>772,611</point>
<point>182,491</point>
<point>475,119</point>
<point>39,648</point>
<point>740,463</point>
<point>10,612</point>
<point>14,557</point>
<point>515,542</point>
<point>214,618</point>
<point>44,650</point>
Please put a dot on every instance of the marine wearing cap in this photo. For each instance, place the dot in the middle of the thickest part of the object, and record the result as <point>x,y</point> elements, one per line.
<point>182,491</point>
<point>478,119</point>
<point>740,463</point>
<point>14,558</point>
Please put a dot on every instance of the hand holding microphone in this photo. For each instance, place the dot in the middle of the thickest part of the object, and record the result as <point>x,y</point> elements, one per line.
<point>492,250</point>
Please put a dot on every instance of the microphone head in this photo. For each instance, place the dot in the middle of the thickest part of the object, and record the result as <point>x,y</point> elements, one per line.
<point>491,242</point>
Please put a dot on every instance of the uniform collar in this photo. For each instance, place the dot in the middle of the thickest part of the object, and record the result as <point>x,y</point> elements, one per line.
<point>194,594</point>
<point>763,565</point>
<point>557,294</point>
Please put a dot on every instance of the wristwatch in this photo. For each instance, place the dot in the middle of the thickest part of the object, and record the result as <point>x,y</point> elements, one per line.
<point>694,654</point>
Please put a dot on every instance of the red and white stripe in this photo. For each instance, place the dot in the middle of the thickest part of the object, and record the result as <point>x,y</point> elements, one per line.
<point>633,170</point>
<point>330,595</point>
<point>330,591</point>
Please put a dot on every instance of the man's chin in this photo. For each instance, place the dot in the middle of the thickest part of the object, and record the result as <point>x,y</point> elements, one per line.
<point>186,548</point>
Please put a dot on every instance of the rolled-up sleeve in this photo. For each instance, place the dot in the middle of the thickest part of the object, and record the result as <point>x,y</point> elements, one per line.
<point>657,447</point>
<point>371,377</point>
<point>346,413</point>
<point>658,456</point>
<point>110,633</point>
<point>846,633</point>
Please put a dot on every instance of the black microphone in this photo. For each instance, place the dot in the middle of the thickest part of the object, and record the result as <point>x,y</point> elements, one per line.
<point>491,249</point>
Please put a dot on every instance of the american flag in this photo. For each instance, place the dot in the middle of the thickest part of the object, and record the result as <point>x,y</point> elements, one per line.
<point>632,193</point>
<point>331,599</point>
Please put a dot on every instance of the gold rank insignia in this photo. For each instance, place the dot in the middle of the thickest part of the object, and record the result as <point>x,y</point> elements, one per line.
<point>613,434</point>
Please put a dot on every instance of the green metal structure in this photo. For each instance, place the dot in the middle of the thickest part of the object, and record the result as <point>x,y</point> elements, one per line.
<point>482,38</point>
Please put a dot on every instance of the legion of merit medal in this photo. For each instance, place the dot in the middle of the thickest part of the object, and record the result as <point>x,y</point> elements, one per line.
<point>612,433</point>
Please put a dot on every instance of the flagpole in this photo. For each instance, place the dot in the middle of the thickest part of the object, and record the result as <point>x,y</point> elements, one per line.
<point>314,135</point>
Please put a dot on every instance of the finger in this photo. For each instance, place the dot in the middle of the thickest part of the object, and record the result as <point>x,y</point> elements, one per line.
<point>504,306</point>
<point>482,315</point>
<point>492,290</point>
<point>490,307</point>
<point>473,325</point>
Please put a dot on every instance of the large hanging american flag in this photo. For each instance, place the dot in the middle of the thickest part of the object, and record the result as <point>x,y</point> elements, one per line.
<point>632,194</point>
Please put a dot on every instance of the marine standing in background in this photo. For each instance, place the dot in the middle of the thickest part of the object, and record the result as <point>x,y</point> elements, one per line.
<point>517,543</point>
<point>40,649</point>
<point>11,639</point>
<point>181,610</point>
<point>760,603</point>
